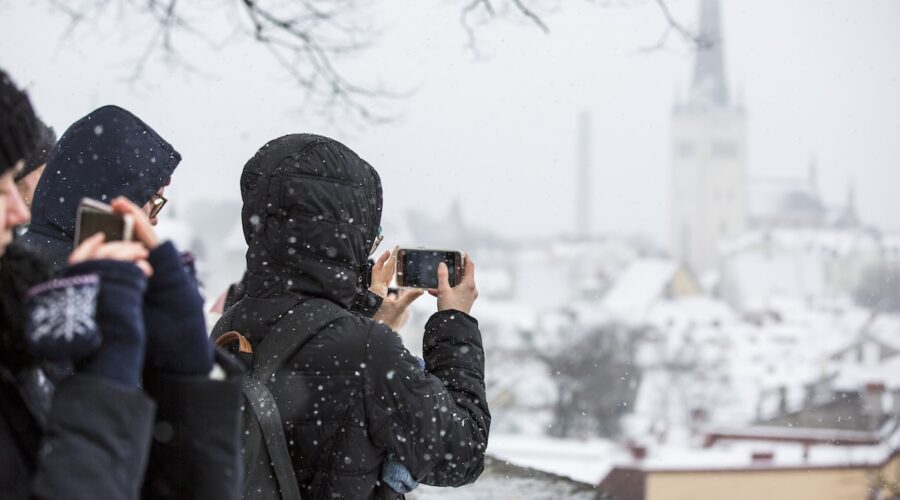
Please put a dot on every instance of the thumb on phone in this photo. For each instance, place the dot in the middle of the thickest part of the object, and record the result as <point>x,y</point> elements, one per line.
<point>443,275</point>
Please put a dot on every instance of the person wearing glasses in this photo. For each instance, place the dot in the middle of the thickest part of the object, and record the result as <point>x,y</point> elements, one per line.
<point>156,347</point>
<point>155,205</point>
<point>106,154</point>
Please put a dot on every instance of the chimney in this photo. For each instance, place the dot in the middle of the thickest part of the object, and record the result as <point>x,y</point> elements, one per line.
<point>762,457</point>
<point>699,416</point>
<point>637,451</point>
<point>782,400</point>
<point>872,402</point>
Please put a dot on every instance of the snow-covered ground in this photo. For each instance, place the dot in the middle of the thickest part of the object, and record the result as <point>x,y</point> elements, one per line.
<point>586,461</point>
<point>504,481</point>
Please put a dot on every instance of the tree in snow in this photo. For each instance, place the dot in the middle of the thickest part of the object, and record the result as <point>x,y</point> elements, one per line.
<point>879,288</point>
<point>595,376</point>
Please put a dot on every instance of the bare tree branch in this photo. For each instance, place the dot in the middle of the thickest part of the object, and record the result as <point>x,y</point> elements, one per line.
<point>489,7</point>
<point>528,13</point>
<point>697,40</point>
<point>305,37</point>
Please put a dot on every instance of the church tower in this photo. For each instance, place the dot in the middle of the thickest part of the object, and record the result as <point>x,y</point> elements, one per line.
<point>708,156</point>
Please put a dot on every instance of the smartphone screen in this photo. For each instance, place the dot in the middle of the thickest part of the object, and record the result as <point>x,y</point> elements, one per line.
<point>418,268</point>
<point>112,225</point>
<point>95,217</point>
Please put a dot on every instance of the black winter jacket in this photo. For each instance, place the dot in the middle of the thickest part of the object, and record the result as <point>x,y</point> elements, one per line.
<point>108,153</point>
<point>98,436</point>
<point>90,437</point>
<point>353,395</point>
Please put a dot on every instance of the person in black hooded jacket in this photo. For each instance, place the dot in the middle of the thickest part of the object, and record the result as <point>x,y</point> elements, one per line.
<point>352,399</point>
<point>113,156</point>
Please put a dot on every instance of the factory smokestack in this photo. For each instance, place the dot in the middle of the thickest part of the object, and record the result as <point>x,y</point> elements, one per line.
<point>583,177</point>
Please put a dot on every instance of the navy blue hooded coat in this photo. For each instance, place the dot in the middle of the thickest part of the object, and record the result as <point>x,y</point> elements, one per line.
<point>108,153</point>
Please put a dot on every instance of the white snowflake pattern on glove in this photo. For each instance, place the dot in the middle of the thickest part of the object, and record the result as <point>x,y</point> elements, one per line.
<point>61,321</point>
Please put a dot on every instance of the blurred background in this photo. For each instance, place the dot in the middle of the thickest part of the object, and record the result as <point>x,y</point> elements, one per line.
<point>684,212</point>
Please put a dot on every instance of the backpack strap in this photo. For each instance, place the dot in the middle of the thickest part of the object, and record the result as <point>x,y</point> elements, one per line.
<point>279,345</point>
<point>269,418</point>
<point>227,338</point>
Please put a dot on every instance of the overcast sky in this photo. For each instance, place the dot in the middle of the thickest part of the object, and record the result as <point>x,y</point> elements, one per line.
<point>498,134</point>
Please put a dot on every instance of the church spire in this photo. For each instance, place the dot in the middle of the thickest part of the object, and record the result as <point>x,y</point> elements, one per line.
<point>708,88</point>
<point>849,218</point>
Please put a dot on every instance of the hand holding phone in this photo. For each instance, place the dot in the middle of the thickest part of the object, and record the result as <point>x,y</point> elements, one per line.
<point>96,248</point>
<point>143,228</point>
<point>459,297</point>
<point>96,217</point>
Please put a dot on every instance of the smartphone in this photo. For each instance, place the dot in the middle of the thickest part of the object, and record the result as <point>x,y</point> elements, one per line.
<point>97,217</point>
<point>417,268</point>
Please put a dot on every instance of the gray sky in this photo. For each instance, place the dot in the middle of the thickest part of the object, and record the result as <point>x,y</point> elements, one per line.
<point>818,78</point>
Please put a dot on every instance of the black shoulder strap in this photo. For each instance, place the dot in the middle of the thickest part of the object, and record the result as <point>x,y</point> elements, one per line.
<point>279,345</point>
<point>269,419</point>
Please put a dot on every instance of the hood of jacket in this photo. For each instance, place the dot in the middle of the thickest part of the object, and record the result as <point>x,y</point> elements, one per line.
<point>312,209</point>
<point>108,153</point>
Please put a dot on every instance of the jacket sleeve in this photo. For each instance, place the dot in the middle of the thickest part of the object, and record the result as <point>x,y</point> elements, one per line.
<point>433,421</point>
<point>195,452</point>
<point>96,443</point>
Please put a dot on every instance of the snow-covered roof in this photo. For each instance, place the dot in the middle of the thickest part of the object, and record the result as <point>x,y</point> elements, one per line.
<point>856,377</point>
<point>693,310</point>
<point>882,329</point>
<point>824,241</point>
<point>640,286</point>
<point>758,281</point>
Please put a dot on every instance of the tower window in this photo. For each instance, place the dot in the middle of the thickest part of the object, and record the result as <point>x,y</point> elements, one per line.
<point>724,149</point>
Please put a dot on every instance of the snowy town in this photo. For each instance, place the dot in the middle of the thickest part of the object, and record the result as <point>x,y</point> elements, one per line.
<point>750,352</point>
<point>756,356</point>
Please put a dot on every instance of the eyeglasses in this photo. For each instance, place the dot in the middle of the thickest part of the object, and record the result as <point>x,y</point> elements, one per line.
<point>378,240</point>
<point>156,204</point>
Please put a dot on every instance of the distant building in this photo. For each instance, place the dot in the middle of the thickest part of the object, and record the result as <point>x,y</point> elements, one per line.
<point>770,463</point>
<point>795,202</point>
<point>776,268</point>
<point>708,156</point>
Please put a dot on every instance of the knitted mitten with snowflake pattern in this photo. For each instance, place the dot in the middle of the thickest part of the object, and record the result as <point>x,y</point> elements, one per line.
<point>91,315</point>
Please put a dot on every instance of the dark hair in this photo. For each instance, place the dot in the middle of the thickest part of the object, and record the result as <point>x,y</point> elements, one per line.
<point>44,142</point>
<point>18,125</point>
<point>19,271</point>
